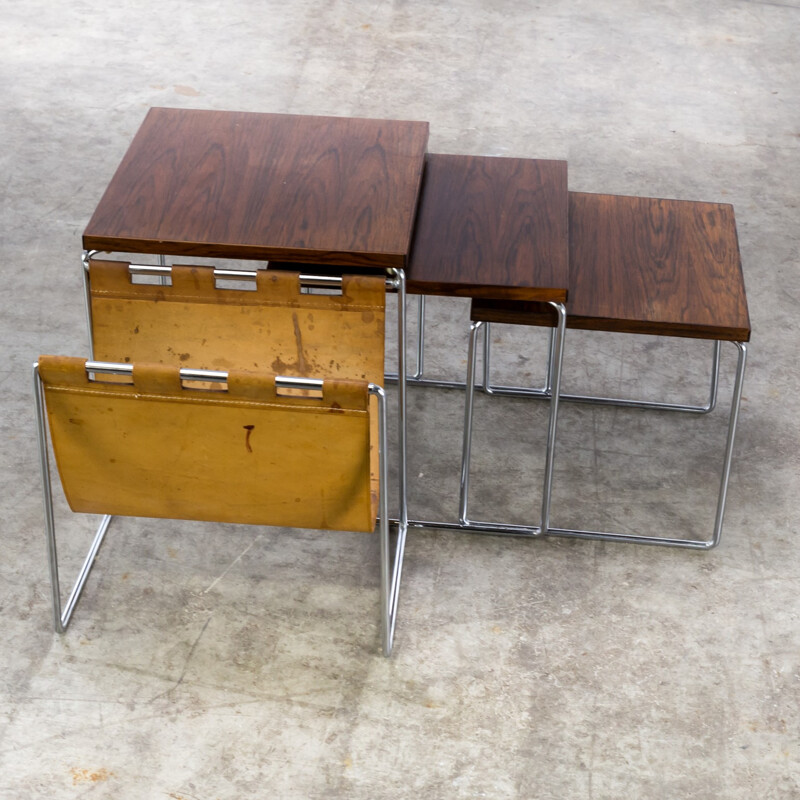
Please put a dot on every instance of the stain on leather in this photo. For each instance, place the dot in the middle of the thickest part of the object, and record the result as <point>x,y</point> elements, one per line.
<point>249,429</point>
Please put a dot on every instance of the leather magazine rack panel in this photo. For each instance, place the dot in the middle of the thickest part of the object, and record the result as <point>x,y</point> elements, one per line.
<point>245,453</point>
<point>275,329</point>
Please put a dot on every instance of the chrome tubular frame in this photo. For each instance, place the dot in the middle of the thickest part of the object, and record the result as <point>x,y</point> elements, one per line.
<point>86,256</point>
<point>60,618</point>
<point>390,566</point>
<point>545,391</point>
<point>402,395</point>
<point>466,525</point>
<point>546,529</point>
<point>417,378</point>
<point>554,379</point>
<point>667,541</point>
<point>391,569</point>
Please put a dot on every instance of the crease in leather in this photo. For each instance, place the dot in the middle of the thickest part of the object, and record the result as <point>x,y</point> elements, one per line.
<point>247,454</point>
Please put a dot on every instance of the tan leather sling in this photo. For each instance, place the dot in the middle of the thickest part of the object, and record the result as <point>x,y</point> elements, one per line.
<point>274,329</point>
<point>244,453</point>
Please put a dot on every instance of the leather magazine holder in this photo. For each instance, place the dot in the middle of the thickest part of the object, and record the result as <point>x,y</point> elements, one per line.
<point>243,453</point>
<point>275,328</point>
<point>161,441</point>
<point>164,438</point>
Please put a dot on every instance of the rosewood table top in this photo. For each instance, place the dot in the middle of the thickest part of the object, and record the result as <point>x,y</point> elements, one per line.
<point>490,227</point>
<point>647,265</point>
<point>241,185</point>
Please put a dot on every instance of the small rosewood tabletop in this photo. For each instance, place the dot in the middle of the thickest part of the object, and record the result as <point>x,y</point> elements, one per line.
<point>678,261</point>
<point>492,228</point>
<point>265,186</point>
<point>645,265</point>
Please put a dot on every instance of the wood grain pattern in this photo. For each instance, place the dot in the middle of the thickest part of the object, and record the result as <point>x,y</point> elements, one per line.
<point>261,186</point>
<point>644,265</point>
<point>491,227</point>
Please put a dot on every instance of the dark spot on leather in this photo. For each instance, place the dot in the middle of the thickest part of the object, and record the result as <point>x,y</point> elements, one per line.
<point>249,429</point>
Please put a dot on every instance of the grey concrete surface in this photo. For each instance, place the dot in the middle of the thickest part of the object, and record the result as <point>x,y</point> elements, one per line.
<point>211,661</point>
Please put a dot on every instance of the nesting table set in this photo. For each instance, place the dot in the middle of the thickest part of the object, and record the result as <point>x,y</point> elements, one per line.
<point>335,196</point>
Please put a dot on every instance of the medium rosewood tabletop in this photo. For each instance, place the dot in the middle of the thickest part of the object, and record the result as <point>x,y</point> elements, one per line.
<point>265,186</point>
<point>492,227</point>
<point>646,265</point>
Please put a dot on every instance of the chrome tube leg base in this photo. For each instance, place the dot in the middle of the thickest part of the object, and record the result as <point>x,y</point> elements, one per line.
<point>621,402</point>
<point>466,525</point>
<point>391,566</point>
<point>555,362</point>
<point>417,375</point>
<point>61,616</point>
<point>466,445</point>
<point>86,257</point>
<point>553,380</point>
<point>402,396</point>
<point>692,544</point>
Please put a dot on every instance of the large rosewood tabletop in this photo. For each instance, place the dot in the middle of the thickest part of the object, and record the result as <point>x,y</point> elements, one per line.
<point>243,185</point>
<point>491,227</point>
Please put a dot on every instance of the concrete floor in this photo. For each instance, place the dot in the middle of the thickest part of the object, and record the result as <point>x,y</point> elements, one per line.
<point>210,661</point>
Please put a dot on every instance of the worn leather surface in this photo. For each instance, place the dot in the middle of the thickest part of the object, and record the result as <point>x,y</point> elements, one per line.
<point>242,453</point>
<point>274,329</point>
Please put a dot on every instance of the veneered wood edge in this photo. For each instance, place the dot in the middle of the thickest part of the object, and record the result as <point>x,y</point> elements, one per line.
<point>109,244</point>
<point>514,314</point>
<point>519,293</point>
<point>502,292</point>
